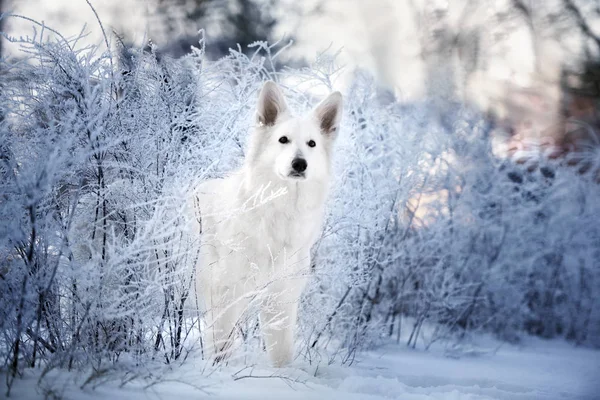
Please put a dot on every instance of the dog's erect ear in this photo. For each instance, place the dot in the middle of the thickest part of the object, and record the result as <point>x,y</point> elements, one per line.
<point>271,104</point>
<point>329,113</point>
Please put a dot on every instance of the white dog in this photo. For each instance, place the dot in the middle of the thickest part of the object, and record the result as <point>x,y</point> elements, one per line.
<point>257,225</point>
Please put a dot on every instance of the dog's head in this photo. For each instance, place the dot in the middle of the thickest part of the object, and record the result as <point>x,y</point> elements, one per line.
<point>294,148</point>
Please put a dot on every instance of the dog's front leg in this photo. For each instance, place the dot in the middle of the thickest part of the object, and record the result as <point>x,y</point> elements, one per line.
<point>278,320</point>
<point>280,312</point>
<point>223,320</point>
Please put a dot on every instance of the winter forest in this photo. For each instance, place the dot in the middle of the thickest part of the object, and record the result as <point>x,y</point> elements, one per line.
<point>462,220</point>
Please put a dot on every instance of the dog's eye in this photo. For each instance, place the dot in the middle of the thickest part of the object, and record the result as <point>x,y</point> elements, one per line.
<point>283,139</point>
<point>311,143</point>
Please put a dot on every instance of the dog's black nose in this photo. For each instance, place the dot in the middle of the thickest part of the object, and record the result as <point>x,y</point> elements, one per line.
<point>299,164</point>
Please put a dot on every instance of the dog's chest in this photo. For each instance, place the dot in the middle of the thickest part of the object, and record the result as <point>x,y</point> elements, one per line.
<point>244,233</point>
<point>285,222</point>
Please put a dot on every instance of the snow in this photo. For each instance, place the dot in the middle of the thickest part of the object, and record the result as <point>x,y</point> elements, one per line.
<point>535,369</point>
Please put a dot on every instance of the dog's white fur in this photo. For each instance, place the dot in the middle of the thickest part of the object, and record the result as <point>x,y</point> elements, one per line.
<point>258,224</point>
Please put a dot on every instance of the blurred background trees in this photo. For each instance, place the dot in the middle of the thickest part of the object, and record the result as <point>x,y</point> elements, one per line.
<point>528,64</point>
<point>228,24</point>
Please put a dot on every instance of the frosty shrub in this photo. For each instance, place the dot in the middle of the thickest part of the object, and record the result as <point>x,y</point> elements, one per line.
<point>429,227</point>
<point>425,226</point>
<point>88,245</point>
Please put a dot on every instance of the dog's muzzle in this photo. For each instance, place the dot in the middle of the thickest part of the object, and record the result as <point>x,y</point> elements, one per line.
<point>298,168</point>
<point>298,175</point>
<point>299,165</point>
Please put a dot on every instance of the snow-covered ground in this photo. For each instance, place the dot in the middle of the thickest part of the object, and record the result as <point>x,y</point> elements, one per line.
<point>536,369</point>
